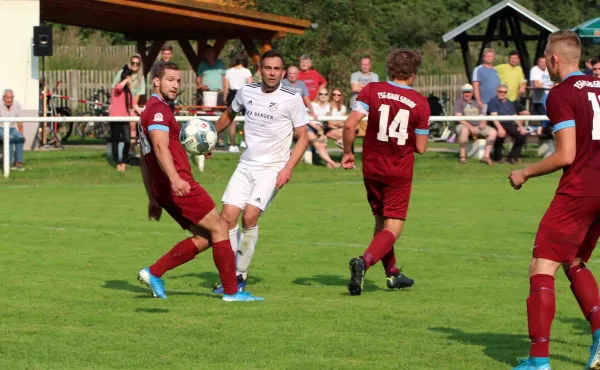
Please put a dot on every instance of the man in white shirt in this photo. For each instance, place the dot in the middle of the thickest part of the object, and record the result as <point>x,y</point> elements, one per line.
<point>272,112</point>
<point>11,108</point>
<point>541,82</point>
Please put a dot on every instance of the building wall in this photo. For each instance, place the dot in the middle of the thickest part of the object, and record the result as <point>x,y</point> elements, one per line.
<point>18,67</point>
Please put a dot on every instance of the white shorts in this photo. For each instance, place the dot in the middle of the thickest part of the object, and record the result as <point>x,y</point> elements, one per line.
<point>256,187</point>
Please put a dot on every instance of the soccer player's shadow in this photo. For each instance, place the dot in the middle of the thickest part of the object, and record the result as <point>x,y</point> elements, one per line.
<point>502,347</point>
<point>210,280</point>
<point>333,280</point>
<point>144,292</point>
<point>581,325</point>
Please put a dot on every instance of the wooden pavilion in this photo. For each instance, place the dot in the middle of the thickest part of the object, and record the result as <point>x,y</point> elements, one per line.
<point>505,21</point>
<point>153,22</point>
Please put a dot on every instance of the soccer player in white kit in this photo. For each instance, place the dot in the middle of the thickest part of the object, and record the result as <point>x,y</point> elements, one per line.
<point>272,113</point>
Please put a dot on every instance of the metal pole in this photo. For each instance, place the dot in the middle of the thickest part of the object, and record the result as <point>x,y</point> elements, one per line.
<point>6,145</point>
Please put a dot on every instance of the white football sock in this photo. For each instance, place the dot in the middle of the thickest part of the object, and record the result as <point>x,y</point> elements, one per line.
<point>234,239</point>
<point>246,250</point>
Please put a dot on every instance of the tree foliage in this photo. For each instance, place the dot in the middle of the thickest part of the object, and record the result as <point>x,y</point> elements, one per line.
<point>348,29</point>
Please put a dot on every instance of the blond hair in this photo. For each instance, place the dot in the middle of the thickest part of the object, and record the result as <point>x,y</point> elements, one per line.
<point>570,44</point>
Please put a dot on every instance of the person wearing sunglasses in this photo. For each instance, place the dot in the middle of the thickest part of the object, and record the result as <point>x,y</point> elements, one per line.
<point>500,105</point>
<point>128,86</point>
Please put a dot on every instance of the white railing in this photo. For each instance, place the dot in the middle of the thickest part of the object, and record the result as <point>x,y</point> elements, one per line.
<point>37,120</point>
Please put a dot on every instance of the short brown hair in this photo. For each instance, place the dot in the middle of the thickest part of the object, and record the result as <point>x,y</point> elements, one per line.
<point>403,63</point>
<point>166,47</point>
<point>160,68</point>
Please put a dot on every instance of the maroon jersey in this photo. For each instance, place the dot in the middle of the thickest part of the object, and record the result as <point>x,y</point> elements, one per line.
<point>397,113</point>
<point>158,116</point>
<point>576,103</point>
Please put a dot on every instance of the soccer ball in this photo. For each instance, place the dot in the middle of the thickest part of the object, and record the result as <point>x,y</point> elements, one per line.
<point>198,137</point>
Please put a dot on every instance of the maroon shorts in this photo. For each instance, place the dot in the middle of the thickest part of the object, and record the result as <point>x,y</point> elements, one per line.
<point>190,209</point>
<point>569,229</point>
<point>388,201</point>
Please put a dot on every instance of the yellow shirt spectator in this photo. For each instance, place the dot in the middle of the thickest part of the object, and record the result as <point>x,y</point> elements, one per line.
<point>513,77</point>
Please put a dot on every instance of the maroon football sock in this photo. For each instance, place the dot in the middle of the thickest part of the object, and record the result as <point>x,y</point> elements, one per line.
<point>225,262</point>
<point>181,253</point>
<point>389,263</point>
<point>541,307</point>
<point>585,289</point>
<point>381,244</point>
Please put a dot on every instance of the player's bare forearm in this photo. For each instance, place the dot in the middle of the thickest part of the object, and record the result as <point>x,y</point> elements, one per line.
<point>225,120</point>
<point>20,127</point>
<point>299,148</point>
<point>146,179</point>
<point>563,155</point>
<point>350,130</point>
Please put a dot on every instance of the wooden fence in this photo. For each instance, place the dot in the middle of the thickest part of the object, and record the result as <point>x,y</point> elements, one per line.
<point>83,83</point>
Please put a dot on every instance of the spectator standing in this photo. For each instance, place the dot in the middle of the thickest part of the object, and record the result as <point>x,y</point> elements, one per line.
<point>138,89</point>
<point>11,108</point>
<point>166,53</point>
<point>292,81</point>
<point>211,74</point>
<point>361,78</point>
<point>485,79</point>
<point>511,74</point>
<point>595,64</point>
<point>466,106</point>
<point>541,84</point>
<point>313,79</point>
<point>236,77</point>
<point>121,104</point>
<point>500,105</point>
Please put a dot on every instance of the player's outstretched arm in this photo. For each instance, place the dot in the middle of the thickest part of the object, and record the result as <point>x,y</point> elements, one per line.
<point>160,145</point>
<point>562,157</point>
<point>225,120</point>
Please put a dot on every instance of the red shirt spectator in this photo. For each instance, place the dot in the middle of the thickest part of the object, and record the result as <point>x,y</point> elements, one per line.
<point>311,78</point>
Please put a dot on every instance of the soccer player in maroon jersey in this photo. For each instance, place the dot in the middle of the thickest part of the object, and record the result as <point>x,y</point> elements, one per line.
<point>398,125</point>
<point>170,186</point>
<point>570,227</point>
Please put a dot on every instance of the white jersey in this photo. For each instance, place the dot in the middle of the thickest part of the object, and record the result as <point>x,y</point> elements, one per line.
<point>269,124</point>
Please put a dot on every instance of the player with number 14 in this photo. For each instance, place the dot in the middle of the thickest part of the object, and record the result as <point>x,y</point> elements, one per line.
<point>398,125</point>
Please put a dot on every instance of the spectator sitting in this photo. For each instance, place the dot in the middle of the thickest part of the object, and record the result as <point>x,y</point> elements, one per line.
<point>501,106</point>
<point>466,106</point>
<point>313,79</point>
<point>316,133</point>
<point>11,108</point>
<point>334,129</point>
<point>235,78</point>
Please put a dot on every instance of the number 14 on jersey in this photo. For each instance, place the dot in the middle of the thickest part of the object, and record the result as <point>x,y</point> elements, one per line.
<point>398,128</point>
<point>596,120</point>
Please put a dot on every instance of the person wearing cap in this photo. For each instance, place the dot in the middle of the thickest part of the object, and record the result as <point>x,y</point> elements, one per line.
<point>467,106</point>
<point>311,78</point>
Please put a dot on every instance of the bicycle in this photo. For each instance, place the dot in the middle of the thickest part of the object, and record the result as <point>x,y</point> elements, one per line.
<point>101,99</point>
